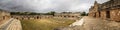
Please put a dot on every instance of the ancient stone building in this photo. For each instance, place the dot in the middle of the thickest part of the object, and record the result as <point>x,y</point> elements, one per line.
<point>8,23</point>
<point>57,15</point>
<point>109,10</point>
<point>4,15</point>
<point>68,15</point>
<point>29,17</point>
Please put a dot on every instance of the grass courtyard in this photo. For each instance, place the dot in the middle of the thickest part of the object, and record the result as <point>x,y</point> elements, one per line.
<point>45,24</point>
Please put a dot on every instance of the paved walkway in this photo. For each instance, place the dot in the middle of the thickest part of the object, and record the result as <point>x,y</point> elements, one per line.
<point>78,23</point>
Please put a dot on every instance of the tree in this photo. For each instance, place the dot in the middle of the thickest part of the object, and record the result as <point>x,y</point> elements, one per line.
<point>51,13</point>
<point>25,13</point>
<point>83,14</point>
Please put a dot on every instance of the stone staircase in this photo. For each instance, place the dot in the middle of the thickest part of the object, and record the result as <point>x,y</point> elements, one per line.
<point>12,24</point>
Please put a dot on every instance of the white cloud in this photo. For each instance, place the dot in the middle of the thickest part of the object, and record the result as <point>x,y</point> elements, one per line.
<point>81,7</point>
<point>47,5</point>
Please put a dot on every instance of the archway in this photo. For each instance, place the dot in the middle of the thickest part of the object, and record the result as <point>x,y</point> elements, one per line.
<point>107,14</point>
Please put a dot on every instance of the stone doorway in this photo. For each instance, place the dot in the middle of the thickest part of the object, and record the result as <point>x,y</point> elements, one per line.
<point>4,17</point>
<point>99,14</point>
<point>107,14</point>
<point>94,14</point>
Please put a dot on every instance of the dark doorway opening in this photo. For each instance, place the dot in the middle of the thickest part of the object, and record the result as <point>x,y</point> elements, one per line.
<point>99,14</point>
<point>37,17</point>
<point>4,17</point>
<point>108,14</point>
<point>95,15</point>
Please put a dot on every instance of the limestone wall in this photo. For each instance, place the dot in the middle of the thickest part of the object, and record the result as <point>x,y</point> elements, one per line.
<point>58,15</point>
<point>115,14</point>
<point>73,16</point>
<point>29,17</point>
<point>109,10</point>
<point>4,15</point>
<point>97,14</point>
<point>103,14</point>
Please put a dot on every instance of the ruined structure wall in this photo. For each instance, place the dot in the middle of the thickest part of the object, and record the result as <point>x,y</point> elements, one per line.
<point>97,15</point>
<point>74,16</point>
<point>90,14</point>
<point>4,15</point>
<point>29,17</point>
<point>115,14</point>
<point>103,14</point>
<point>67,17</point>
<point>109,10</point>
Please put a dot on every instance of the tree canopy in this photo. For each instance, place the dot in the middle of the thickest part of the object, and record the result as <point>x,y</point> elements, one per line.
<point>25,13</point>
<point>84,14</point>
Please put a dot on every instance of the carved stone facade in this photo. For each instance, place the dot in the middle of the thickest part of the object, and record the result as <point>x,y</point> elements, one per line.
<point>29,17</point>
<point>74,16</point>
<point>109,10</point>
<point>68,15</point>
<point>4,15</point>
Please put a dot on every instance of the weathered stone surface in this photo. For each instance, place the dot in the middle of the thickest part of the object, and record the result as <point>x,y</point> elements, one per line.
<point>108,10</point>
<point>68,15</point>
<point>91,23</point>
<point>12,24</point>
<point>28,17</point>
<point>15,25</point>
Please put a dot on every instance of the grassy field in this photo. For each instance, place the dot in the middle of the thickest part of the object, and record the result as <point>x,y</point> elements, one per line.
<point>45,24</point>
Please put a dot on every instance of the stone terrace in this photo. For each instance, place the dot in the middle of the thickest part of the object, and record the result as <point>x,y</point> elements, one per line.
<point>100,24</point>
<point>91,23</point>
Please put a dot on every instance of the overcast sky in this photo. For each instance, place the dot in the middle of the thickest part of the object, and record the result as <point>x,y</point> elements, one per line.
<point>47,5</point>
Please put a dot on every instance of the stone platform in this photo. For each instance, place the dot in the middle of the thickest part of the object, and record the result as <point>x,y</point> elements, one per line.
<point>91,23</point>
<point>12,24</point>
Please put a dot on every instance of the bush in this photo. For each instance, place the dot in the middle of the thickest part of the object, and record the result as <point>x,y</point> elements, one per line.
<point>84,14</point>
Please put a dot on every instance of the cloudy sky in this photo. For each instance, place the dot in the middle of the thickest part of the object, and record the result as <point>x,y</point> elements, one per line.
<point>47,5</point>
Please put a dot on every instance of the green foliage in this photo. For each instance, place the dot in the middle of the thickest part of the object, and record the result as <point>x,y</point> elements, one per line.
<point>32,13</point>
<point>50,13</point>
<point>84,14</point>
<point>25,13</point>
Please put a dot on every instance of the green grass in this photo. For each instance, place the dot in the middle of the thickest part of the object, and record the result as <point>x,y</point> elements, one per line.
<point>45,24</point>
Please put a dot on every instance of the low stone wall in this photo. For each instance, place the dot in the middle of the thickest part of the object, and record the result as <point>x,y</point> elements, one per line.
<point>29,17</point>
<point>68,17</point>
